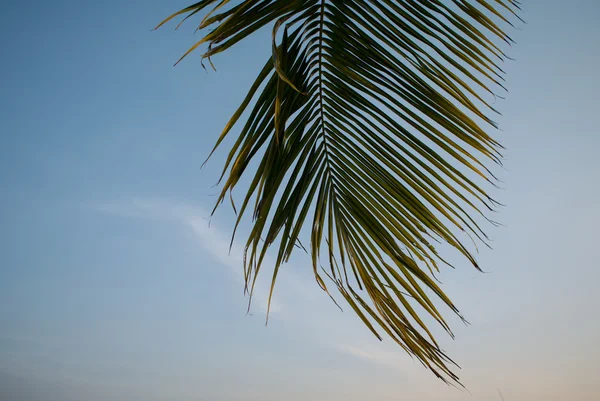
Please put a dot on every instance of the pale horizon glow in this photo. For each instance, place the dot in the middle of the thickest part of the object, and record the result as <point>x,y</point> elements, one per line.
<point>113,286</point>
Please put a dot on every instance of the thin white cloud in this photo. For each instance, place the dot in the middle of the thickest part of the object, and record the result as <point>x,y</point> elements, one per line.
<point>373,354</point>
<point>212,240</point>
<point>301,295</point>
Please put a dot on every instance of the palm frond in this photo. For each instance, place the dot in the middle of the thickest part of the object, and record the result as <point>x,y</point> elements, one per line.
<point>368,124</point>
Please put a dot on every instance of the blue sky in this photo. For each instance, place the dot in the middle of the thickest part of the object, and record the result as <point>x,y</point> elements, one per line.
<point>112,286</point>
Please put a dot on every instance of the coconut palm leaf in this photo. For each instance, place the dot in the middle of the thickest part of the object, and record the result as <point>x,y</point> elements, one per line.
<point>367,123</point>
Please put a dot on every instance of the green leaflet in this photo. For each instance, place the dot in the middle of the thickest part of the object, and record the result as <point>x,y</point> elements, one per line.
<point>372,117</point>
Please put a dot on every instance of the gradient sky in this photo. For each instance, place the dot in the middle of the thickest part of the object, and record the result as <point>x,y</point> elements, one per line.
<point>113,287</point>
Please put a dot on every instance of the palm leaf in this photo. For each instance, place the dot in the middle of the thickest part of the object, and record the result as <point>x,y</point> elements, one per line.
<point>368,124</point>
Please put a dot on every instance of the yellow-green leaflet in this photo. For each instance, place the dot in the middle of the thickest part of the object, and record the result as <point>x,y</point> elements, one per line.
<point>370,124</point>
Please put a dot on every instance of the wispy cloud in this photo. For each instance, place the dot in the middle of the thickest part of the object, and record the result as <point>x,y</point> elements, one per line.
<point>303,297</point>
<point>212,239</point>
<point>396,360</point>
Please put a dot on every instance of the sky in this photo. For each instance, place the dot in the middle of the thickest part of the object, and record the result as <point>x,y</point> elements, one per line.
<point>114,287</point>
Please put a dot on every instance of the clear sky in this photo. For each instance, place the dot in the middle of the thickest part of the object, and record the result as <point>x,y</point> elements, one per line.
<point>112,286</point>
